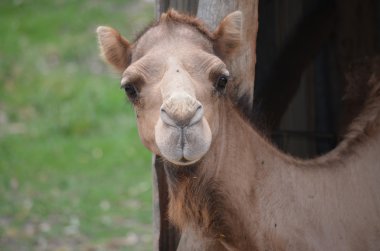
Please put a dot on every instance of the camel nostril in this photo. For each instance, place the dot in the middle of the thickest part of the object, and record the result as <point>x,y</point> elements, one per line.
<point>197,115</point>
<point>183,116</point>
<point>166,118</point>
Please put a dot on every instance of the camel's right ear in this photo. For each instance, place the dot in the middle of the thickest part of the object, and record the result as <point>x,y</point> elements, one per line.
<point>114,48</point>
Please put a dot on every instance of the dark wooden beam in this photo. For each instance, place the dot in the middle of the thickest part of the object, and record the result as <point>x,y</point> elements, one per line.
<point>272,97</point>
<point>166,237</point>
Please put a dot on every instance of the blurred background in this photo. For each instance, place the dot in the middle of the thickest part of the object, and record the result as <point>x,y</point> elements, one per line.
<point>73,173</point>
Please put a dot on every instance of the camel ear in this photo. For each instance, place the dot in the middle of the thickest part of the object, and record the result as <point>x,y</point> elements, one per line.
<point>114,48</point>
<point>228,34</point>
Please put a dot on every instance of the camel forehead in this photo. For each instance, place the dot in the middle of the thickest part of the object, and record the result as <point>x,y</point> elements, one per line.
<point>170,61</point>
<point>170,38</point>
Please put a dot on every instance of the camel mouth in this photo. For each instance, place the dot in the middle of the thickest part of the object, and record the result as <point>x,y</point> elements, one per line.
<point>184,162</point>
<point>182,154</point>
<point>183,146</point>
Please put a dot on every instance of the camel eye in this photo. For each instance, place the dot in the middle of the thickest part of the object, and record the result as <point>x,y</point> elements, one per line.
<point>221,83</point>
<point>131,91</point>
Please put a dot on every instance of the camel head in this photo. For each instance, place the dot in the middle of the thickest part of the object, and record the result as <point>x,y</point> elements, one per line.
<point>175,76</point>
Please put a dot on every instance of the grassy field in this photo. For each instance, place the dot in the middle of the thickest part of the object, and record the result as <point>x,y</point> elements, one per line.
<point>73,173</point>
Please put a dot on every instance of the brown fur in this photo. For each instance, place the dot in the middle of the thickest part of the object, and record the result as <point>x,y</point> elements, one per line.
<point>197,200</point>
<point>176,17</point>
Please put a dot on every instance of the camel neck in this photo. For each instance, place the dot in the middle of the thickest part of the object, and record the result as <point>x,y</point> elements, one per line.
<point>238,147</point>
<point>238,160</point>
<point>217,195</point>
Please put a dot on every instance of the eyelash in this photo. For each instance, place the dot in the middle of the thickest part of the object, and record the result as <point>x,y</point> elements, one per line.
<point>221,83</point>
<point>131,91</point>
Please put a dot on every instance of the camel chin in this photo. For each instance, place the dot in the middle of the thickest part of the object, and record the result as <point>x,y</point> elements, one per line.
<point>183,146</point>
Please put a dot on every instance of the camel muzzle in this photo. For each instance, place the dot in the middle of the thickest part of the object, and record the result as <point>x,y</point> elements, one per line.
<point>181,113</point>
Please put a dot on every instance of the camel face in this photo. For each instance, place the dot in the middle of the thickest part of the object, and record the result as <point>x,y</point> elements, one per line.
<point>182,132</point>
<point>176,98</point>
<point>175,81</point>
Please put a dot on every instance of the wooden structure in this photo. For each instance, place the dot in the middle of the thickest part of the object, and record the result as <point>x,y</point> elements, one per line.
<point>304,51</point>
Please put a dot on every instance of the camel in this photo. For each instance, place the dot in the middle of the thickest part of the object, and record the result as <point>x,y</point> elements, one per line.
<point>229,187</point>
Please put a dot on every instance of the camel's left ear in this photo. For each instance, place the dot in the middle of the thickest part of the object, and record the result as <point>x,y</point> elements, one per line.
<point>228,34</point>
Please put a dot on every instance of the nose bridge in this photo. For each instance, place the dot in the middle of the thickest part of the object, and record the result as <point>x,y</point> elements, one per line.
<point>180,106</point>
<point>176,79</point>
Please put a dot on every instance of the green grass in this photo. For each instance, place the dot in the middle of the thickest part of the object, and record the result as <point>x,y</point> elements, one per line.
<point>73,173</point>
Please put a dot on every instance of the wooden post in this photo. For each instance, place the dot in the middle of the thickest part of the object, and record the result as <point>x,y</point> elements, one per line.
<point>186,6</point>
<point>165,236</point>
